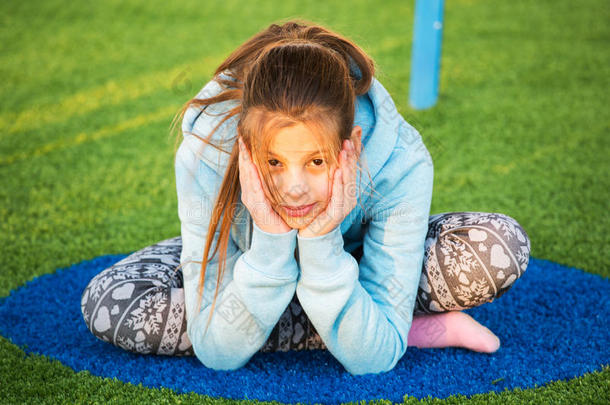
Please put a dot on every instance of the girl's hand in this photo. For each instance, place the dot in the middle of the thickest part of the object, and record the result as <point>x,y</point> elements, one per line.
<point>253,196</point>
<point>343,196</point>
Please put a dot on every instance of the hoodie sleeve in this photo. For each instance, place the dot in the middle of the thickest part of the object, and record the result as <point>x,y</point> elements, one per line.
<point>256,288</point>
<point>363,311</point>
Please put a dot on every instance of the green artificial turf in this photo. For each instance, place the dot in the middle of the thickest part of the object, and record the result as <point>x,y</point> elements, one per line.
<point>86,159</point>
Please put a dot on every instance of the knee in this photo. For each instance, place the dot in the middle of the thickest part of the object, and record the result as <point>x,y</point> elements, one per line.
<point>480,255</point>
<point>95,314</point>
<point>496,236</point>
<point>516,239</point>
<point>502,245</point>
<point>109,305</point>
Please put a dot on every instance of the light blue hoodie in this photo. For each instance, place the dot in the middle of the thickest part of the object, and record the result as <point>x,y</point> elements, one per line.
<point>362,311</point>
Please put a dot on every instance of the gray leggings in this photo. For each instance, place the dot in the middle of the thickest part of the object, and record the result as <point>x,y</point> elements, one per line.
<point>138,303</point>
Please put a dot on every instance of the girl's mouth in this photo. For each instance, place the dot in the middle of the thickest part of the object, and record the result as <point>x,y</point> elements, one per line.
<point>298,212</point>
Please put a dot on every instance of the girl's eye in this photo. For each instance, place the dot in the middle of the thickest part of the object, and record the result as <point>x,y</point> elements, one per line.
<point>275,162</point>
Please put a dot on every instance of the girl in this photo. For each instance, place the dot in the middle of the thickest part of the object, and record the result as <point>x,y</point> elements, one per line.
<point>285,244</point>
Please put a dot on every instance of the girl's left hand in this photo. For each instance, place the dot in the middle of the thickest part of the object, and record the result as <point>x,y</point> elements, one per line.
<point>343,195</point>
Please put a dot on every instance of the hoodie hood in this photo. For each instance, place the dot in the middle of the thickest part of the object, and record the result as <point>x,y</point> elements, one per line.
<point>375,112</point>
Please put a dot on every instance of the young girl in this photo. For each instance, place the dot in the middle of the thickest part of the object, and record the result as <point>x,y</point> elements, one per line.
<point>285,245</point>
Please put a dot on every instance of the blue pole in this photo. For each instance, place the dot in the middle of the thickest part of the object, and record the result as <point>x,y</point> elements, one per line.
<point>426,58</point>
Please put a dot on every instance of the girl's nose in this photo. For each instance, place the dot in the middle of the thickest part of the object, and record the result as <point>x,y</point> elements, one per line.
<point>296,186</point>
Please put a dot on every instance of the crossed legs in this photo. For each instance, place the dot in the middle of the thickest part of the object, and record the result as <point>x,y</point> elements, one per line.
<point>470,258</point>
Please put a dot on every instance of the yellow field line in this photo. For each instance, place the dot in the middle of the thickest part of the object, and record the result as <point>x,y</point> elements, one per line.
<point>109,131</point>
<point>179,79</point>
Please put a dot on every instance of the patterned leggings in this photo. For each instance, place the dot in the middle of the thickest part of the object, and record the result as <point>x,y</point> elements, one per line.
<point>138,303</point>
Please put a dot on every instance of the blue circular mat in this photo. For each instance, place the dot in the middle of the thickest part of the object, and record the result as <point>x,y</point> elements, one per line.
<point>553,324</point>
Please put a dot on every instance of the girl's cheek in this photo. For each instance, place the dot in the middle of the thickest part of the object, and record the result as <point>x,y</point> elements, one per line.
<point>324,189</point>
<point>277,180</point>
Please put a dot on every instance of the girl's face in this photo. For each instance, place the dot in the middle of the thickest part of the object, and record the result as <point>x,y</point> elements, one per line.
<point>299,172</point>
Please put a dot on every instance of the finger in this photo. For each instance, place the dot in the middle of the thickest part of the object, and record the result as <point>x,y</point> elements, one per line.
<point>243,167</point>
<point>257,184</point>
<point>255,178</point>
<point>337,196</point>
<point>248,186</point>
<point>248,166</point>
<point>342,167</point>
<point>350,184</point>
<point>353,157</point>
<point>345,167</point>
<point>243,149</point>
<point>333,207</point>
<point>332,186</point>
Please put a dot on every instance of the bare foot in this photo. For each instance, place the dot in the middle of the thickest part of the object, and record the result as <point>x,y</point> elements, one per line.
<point>454,328</point>
<point>471,334</point>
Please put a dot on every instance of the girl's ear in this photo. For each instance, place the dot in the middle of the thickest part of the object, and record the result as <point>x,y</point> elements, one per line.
<point>357,138</point>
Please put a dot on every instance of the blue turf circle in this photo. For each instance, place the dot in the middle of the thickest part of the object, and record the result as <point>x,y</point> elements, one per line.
<point>553,325</point>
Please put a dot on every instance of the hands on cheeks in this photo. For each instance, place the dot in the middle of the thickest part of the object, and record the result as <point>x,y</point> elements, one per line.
<point>343,196</point>
<point>253,196</point>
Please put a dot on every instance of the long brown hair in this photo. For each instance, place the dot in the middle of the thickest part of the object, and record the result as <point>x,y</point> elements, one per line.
<point>298,72</point>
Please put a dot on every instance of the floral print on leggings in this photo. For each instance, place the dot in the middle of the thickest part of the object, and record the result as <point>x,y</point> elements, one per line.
<point>138,303</point>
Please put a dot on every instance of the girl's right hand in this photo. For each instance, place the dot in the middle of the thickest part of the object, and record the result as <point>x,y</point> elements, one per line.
<point>253,196</point>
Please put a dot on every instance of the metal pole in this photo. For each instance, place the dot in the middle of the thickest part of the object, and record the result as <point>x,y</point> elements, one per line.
<point>426,57</point>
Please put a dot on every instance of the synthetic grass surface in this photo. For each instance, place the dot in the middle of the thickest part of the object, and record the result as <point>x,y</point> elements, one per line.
<point>86,162</point>
<point>552,315</point>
